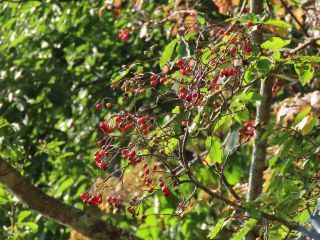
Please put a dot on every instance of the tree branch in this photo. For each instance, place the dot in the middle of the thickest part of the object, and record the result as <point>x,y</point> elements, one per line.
<point>55,210</point>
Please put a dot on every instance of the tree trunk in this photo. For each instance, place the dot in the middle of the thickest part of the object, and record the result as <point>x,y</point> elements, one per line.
<point>55,210</point>
<point>258,162</point>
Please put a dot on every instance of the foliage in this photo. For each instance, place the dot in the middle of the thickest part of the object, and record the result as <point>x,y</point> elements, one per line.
<point>189,87</point>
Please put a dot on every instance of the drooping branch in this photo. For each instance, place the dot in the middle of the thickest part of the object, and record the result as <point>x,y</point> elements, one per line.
<point>55,210</point>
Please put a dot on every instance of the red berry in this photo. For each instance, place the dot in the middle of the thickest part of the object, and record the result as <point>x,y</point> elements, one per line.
<point>188,70</point>
<point>84,196</point>
<point>145,165</point>
<point>150,190</point>
<point>154,168</point>
<point>132,154</point>
<point>138,159</point>
<point>103,166</point>
<point>154,83</point>
<point>147,171</point>
<point>214,80</point>
<point>151,127</point>
<point>118,119</point>
<point>183,71</point>
<point>141,120</point>
<point>180,62</point>
<point>128,127</point>
<point>182,89</point>
<point>247,49</point>
<point>249,24</point>
<point>227,33</point>
<point>163,80</point>
<point>165,191</point>
<point>100,142</point>
<point>233,50</point>
<point>221,32</point>
<point>128,117</point>
<point>153,78</point>
<point>161,183</point>
<point>125,153</point>
<point>99,106</point>
<point>144,132</point>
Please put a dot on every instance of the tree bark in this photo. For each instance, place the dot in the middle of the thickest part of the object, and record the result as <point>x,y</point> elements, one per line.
<point>258,161</point>
<point>86,224</point>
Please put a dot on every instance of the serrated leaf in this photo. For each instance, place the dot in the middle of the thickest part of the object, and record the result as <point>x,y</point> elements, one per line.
<point>217,228</point>
<point>247,226</point>
<point>213,145</point>
<point>167,53</point>
<point>275,43</point>
<point>278,23</point>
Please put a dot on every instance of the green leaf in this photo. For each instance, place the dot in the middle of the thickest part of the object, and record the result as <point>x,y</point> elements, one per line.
<point>213,145</point>
<point>217,228</point>
<point>176,110</point>
<point>305,72</point>
<point>278,23</point>
<point>166,55</point>
<point>23,215</point>
<point>66,184</point>
<point>302,114</point>
<point>248,225</point>
<point>31,225</point>
<point>202,20</point>
<point>275,43</point>
<point>119,75</point>
<point>3,122</point>
<point>313,59</point>
<point>172,145</point>
<point>264,65</point>
<point>250,96</point>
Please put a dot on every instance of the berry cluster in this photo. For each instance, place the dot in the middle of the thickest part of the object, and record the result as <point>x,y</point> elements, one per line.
<point>93,200</point>
<point>184,69</point>
<point>115,199</point>
<point>124,35</point>
<point>247,131</point>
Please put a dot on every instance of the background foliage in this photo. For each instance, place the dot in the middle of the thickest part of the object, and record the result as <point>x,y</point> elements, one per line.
<point>57,61</point>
